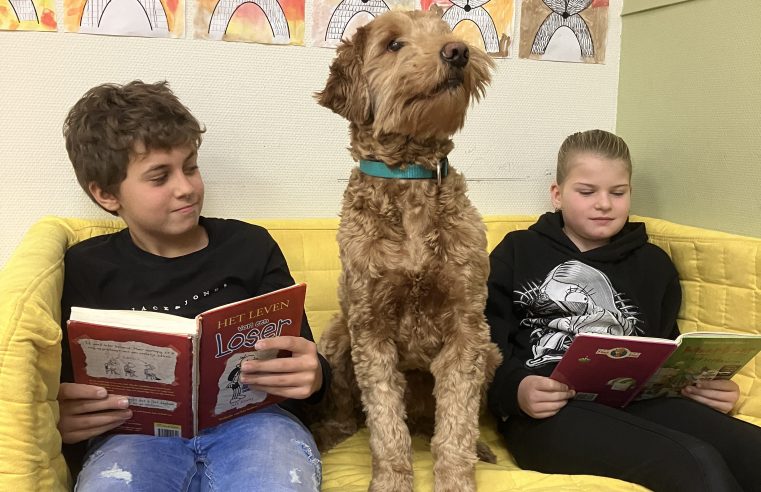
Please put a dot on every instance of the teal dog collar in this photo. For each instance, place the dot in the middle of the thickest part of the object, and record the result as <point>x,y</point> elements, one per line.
<point>410,171</point>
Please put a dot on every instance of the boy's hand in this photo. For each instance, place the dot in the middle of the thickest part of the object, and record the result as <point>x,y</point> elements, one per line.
<point>541,397</point>
<point>88,411</point>
<point>719,394</point>
<point>297,376</point>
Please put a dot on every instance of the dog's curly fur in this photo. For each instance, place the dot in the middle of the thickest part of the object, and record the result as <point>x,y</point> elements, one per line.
<point>413,285</point>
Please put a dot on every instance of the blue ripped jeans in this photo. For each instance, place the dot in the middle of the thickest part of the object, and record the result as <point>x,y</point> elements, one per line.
<point>268,450</point>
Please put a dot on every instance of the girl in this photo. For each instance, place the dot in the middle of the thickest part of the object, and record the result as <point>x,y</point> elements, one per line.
<point>586,268</point>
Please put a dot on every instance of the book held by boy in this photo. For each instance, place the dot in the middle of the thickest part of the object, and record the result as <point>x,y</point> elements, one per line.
<point>182,375</point>
<point>614,370</point>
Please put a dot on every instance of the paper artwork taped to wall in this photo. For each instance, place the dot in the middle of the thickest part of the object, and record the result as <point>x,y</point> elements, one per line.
<point>564,30</point>
<point>334,20</point>
<point>145,18</point>
<point>253,21</point>
<point>27,15</point>
<point>487,24</point>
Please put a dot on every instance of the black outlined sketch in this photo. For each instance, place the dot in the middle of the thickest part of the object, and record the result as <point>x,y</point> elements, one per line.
<point>565,13</point>
<point>154,11</point>
<point>235,384</point>
<point>474,11</point>
<point>573,298</point>
<point>112,367</point>
<point>345,12</point>
<point>24,10</point>
<point>273,12</point>
<point>150,372</point>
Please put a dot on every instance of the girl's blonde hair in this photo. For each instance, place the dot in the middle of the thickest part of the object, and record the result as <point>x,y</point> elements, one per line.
<point>599,142</point>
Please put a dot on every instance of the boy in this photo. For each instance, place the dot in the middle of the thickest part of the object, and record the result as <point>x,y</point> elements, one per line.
<point>134,151</point>
<point>586,268</point>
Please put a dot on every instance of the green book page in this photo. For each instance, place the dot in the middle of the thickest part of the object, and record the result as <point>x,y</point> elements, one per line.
<point>702,356</point>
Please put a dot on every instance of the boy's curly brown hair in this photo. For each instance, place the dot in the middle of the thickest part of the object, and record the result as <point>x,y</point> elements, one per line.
<point>104,129</point>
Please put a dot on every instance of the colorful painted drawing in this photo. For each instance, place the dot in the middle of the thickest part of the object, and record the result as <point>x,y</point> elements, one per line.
<point>334,20</point>
<point>255,21</point>
<point>27,15</point>
<point>484,23</point>
<point>148,18</point>
<point>564,30</point>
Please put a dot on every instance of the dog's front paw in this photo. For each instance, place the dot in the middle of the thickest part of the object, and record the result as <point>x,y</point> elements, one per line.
<point>391,481</point>
<point>451,482</point>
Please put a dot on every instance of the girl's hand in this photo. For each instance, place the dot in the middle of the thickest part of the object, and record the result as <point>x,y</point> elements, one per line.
<point>541,397</point>
<point>297,376</point>
<point>719,394</point>
<point>88,411</point>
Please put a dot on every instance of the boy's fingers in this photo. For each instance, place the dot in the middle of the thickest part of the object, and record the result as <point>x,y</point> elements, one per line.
<point>81,435</point>
<point>113,402</point>
<point>97,420</point>
<point>720,405</point>
<point>74,391</point>
<point>550,385</point>
<point>281,364</point>
<point>296,345</point>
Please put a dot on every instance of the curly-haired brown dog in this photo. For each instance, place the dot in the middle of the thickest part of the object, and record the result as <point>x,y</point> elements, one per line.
<point>413,285</point>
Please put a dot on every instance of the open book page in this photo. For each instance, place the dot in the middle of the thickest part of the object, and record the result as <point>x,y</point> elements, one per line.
<point>135,320</point>
<point>702,356</point>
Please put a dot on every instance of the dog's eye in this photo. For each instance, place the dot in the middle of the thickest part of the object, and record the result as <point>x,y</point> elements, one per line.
<point>395,45</point>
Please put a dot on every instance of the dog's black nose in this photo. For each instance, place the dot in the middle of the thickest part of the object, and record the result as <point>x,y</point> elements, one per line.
<point>455,54</point>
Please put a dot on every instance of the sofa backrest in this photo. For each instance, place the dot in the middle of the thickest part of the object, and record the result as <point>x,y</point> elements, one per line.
<point>720,273</point>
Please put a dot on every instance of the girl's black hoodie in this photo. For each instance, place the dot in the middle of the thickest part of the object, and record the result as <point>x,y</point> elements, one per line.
<point>543,290</point>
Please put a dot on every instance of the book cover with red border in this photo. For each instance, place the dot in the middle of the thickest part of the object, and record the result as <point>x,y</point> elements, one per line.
<point>228,335</point>
<point>609,369</point>
<point>153,369</point>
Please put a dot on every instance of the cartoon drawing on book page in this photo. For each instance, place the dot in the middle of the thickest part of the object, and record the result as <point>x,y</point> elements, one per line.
<point>27,15</point>
<point>136,361</point>
<point>334,20</point>
<point>145,18</point>
<point>487,24</point>
<point>256,21</point>
<point>564,30</point>
<point>231,392</point>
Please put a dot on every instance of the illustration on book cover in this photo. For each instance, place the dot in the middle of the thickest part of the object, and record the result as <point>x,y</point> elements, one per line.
<point>232,393</point>
<point>129,360</point>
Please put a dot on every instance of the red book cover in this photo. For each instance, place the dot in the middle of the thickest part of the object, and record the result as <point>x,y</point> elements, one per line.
<point>228,335</point>
<point>181,375</point>
<point>155,370</point>
<point>611,369</point>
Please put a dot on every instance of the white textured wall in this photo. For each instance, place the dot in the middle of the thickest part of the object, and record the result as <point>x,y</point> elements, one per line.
<point>270,150</point>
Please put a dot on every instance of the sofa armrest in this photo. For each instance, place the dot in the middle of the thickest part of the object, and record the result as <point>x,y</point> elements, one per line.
<point>30,359</point>
<point>720,275</point>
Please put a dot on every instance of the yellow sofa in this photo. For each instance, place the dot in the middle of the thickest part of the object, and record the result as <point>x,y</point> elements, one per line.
<point>721,277</point>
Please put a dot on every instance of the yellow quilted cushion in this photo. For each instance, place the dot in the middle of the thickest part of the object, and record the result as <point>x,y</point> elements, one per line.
<point>720,273</point>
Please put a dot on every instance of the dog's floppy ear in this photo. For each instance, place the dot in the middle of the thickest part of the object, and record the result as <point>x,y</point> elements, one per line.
<point>346,91</point>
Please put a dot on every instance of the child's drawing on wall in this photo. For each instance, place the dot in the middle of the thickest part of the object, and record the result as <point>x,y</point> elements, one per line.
<point>145,18</point>
<point>27,15</point>
<point>564,30</point>
<point>255,21</point>
<point>487,24</point>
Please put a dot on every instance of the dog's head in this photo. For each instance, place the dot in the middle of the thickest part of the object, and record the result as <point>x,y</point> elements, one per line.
<point>406,73</point>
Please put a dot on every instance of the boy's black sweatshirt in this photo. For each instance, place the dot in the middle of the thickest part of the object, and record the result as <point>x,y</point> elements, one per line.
<point>543,290</point>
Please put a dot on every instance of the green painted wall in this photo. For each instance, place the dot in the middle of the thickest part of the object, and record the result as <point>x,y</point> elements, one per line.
<point>689,106</point>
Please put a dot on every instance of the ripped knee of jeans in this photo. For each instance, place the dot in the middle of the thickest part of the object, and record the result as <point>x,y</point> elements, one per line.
<point>295,473</point>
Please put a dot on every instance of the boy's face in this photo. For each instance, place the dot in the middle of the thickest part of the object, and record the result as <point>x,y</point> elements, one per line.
<point>161,199</point>
<point>594,199</point>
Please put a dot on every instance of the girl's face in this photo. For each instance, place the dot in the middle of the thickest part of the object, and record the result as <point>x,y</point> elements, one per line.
<point>594,199</point>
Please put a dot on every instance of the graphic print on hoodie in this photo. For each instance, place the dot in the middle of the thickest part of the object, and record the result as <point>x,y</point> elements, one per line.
<point>573,298</point>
